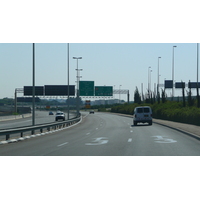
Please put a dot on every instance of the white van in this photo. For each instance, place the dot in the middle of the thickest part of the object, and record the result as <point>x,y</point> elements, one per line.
<point>142,114</point>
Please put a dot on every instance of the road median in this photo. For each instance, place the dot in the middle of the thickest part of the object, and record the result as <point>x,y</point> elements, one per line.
<point>13,117</point>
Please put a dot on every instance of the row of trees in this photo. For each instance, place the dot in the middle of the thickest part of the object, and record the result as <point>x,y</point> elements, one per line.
<point>184,109</point>
<point>71,100</point>
<point>151,97</point>
<point>6,101</point>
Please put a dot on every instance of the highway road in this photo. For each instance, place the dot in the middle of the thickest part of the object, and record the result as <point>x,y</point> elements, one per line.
<point>41,117</point>
<point>103,134</point>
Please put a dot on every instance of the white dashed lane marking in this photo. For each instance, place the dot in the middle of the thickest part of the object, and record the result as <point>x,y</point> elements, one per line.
<point>130,140</point>
<point>62,144</point>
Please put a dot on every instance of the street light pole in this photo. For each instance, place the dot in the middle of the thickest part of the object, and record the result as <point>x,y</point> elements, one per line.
<point>77,96</point>
<point>33,111</point>
<point>197,63</point>
<point>198,100</point>
<point>113,92</point>
<point>119,93</point>
<point>173,73</point>
<point>68,84</point>
<point>158,79</point>
<point>148,80</point>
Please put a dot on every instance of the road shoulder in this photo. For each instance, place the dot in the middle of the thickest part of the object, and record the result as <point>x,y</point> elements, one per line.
<point>189,129</point>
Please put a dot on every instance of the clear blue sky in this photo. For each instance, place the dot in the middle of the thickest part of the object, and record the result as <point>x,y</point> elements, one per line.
<point>107,64</point>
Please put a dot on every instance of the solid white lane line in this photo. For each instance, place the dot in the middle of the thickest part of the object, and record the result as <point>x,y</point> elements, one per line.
<point>87,133</point>
<point>130,140</point>
<point>85,115</point>
<point>13,140</point>
<point>62,144</point>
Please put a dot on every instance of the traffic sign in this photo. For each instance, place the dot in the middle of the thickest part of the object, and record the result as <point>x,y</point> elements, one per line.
<point>86,88</point>
<point>193,85</point>
<point>28,90</point>
<point>103,91</point>
<point>180,85</point>
<point>59,90</point>
<point>87,104</point>
<point>168,83</point>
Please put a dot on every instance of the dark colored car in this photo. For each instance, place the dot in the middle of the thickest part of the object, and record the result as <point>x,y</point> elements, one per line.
<point>50,113</point>
<point>91,111</point>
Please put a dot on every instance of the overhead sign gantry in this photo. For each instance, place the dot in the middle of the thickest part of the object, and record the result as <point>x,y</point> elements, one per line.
<point>50,90</point>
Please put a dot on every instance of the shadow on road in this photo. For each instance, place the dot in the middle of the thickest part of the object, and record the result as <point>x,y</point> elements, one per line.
<point>141,125</point>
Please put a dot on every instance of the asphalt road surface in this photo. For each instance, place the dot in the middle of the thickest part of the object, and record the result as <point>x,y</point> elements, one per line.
<point>41,117</point>
<point>103,134</point>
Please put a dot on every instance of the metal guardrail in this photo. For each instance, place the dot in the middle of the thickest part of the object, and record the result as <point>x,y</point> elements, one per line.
<point>41,127</point>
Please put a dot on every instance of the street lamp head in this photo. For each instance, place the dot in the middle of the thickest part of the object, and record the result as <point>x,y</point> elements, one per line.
<point>159,57</point>
<point>174,46</point>
<point>77,57</point>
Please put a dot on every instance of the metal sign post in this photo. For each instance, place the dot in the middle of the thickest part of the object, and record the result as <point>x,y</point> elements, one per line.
<point>78,79</point>
<point>33,111</point>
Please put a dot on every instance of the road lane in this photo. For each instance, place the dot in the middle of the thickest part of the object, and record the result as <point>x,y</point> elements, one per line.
<point>42,117</point>
<point>108,135</point>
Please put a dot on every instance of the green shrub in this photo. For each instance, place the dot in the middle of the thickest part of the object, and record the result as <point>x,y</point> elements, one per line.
<point>173,111</point>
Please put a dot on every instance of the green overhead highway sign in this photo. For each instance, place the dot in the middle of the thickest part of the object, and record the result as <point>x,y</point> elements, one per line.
<point>86,88</point>
<point>103,91</point>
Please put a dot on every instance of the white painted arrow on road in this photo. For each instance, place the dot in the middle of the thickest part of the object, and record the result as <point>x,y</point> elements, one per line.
<point>161,139</point>
<point>98,141</point>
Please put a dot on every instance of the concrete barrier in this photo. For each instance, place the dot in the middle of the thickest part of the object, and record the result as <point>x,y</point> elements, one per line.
<point>13,117</point>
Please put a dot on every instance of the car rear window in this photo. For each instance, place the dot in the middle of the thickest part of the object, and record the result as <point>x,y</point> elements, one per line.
<point>146,110</point>
<point>140,110</point>
<point>143,110</point>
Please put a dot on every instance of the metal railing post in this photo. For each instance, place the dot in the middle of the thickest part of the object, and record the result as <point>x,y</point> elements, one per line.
<point>7,137</point>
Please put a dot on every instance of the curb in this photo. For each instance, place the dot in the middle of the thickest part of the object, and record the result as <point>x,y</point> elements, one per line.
<point>24,138</point>
<point>180,130</point>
